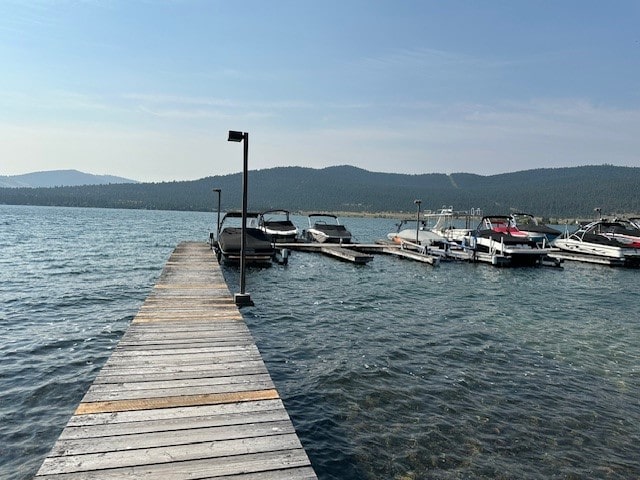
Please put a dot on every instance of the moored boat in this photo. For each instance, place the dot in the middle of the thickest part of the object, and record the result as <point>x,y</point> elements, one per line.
<point>258,246</point>
<point>277,225</point>
<point>527,223</point>
<point>326,228</point>
<point>616,242</point>
<point>448,223</point>
<point>419,234</point>
<point>498,241</point>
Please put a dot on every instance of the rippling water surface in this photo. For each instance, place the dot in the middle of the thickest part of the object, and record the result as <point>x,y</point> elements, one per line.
<point>393,370</point>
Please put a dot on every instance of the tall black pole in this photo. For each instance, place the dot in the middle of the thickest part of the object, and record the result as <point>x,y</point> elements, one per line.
<point>242,298</point>
<point>243,243</point>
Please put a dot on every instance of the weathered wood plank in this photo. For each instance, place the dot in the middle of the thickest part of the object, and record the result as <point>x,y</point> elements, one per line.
<point>165,318</point>
<point>345,254</point>
<point>107,389</point>
<point>164,342</point>
<point>150,424</point>
<point>168,454</point>
<point>121,375</point>
<point>124,351</point>
<point>154,439</point>
<point>177,401</point>
<point>188,328</point>
<point>177,394</point>
<point>204,360</point>
<point>176,413</point>
<point>129,368</point>
<point>262,466</point>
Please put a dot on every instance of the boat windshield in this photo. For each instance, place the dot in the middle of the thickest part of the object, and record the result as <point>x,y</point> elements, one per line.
<point>495,223</point>
<point>607,228</point>
<point>524,219</point>
<point>322,219</point>
<point>235,220</point>
<point>275,216</point>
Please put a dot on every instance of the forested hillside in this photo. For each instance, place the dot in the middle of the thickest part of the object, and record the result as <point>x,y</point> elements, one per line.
<point>561,192</point>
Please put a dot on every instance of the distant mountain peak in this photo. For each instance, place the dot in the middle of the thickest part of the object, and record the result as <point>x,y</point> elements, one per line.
<point>58,178</point>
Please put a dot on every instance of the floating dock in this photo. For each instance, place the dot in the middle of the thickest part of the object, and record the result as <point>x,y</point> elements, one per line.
<point>361,253</point>
<point>587,258</point>
<point>408,250</point>
<point>184,395</point>
<point>347,252</point>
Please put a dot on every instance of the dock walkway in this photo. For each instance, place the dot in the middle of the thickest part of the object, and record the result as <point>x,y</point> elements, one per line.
<point>185,394</point>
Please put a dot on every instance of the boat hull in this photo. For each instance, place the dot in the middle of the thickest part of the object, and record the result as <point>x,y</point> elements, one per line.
<point>328,235</point>
<point>280,233</point>
<point>506,250</point>
<point>277,225</point>
<point>258,248</point>
<point>425,237</point>
<point>601,250</point>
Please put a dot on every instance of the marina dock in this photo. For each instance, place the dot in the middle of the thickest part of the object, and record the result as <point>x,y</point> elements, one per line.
<point>360,253</point>
<point>185,393</point>
<point>346,252</point>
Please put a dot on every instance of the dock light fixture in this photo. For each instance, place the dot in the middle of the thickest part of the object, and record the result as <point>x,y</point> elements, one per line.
<point>242,299</point>
<point>418,202</point>
<point>219,192</point>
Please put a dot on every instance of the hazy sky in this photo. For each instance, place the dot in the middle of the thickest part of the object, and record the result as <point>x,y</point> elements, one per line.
<point>148,89</point>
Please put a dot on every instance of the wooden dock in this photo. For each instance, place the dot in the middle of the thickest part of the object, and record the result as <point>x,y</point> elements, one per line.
<point>586,258</point>
<point>185,394</point>
<point>346,252</point>
<point>412,255</point>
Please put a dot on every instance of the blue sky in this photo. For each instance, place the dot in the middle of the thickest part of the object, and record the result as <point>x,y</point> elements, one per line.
<point>149,89</point>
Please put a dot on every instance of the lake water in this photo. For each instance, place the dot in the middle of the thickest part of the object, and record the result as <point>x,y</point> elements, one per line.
<point>392,370</point>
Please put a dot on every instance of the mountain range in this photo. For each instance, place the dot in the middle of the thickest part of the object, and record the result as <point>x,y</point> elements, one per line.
<point>572,192</point>
<point>58,178</point>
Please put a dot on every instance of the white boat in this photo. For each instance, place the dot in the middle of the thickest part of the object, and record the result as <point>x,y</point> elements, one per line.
<point>448,223</point>
<point>602,239</point>
<point>498,241</point>
<point>277,225</point>
<point>326,228</point>
<point>419,234</point>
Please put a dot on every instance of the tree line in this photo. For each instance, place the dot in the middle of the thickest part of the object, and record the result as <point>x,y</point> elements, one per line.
<point>553,193</point>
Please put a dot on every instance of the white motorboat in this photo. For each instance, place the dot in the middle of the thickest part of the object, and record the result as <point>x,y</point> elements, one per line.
<point>603,239</point>
<point>448,223</point>
<point>326,228</point>
<point>277,225</point>
<point>419,234</point>
<point>498,241</point>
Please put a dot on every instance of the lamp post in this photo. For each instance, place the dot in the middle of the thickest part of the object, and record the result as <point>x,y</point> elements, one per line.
<point>418,202</point>
<point>219,192</point>
<point>242,299</point>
